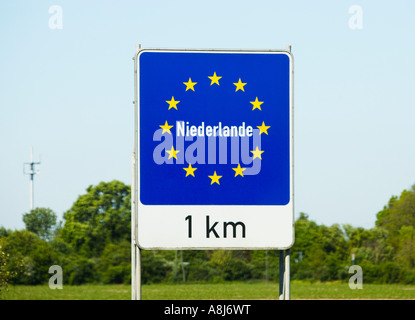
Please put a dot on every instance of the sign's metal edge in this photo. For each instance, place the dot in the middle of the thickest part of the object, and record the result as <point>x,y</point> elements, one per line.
<point>212,50</point>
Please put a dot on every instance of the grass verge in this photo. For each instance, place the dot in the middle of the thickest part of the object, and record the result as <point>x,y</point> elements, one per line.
<point>222,291</point>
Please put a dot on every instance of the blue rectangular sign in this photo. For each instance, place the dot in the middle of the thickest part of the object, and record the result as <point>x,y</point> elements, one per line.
<point>214,128</point>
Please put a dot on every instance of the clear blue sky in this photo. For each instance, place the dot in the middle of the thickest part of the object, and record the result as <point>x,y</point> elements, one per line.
<point>68,93</point>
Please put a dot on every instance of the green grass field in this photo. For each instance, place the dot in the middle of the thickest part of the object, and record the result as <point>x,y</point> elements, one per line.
<point>222,291</point>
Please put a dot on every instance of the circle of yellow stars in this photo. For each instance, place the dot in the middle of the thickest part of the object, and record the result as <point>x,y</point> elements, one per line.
<point>239,86</point>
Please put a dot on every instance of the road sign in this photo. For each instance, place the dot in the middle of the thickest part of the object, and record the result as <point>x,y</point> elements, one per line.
<point>214,151</point>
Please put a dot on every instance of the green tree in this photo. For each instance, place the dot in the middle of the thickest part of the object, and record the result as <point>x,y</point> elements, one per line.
<point>101,216</point>
<point>154,267</point>
<point>116,263</point>
<point>398,220</point>
<point>5,274</point>
<point>319,252</point>
<point>230,265</point>
<point>30,257</point>
<point>399,212</point>
<point>40,221</point>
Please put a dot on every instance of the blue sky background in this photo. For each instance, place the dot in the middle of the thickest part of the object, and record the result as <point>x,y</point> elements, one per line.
<point>69,92</point>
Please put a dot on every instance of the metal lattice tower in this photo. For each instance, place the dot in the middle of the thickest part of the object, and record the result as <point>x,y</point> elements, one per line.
<point>29,169</point>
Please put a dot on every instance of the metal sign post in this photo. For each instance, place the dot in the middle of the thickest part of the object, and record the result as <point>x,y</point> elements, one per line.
<point>135,250</point>
<point>284,274</point>
<point>213,152</point>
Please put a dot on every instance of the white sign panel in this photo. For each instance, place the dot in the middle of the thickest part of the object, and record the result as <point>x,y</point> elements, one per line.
<point>214,151</point>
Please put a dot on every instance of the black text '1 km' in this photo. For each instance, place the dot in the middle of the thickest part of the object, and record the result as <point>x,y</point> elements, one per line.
<point>214,229</point>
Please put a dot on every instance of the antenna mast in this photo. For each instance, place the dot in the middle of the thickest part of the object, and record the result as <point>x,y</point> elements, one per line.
<point>31,171</point>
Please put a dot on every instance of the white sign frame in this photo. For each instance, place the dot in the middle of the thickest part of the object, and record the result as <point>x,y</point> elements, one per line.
<point>153,228</point>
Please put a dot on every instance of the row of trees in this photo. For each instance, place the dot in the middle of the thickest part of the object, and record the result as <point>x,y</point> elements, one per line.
<point>93,245</point>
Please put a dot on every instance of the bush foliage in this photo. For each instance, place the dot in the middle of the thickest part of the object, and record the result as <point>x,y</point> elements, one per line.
<point>93,245</point>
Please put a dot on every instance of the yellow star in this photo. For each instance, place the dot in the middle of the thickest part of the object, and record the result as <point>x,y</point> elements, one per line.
<point>215,178</point>
<point>172,103</point>
<point>257,153</point>
<point>172,153</point>
<point>239,85</point>
<point>166,128</point>
<point>239,170</point>
<point>214,78</point>
<point>263,128</point>
<point>190,85</point>
<point>256,104</point>
<point>190,170</point>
